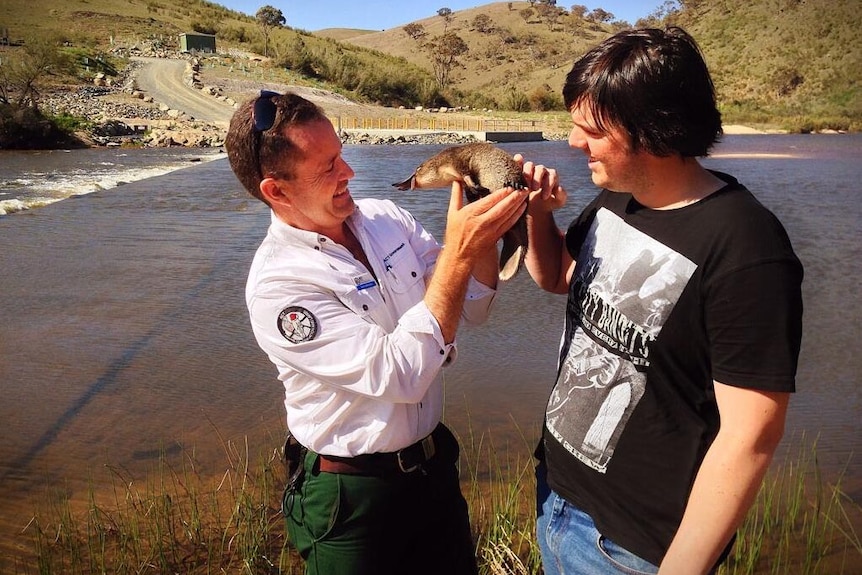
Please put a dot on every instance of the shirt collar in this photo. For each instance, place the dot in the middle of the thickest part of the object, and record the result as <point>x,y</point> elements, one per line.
<point>287,233</point>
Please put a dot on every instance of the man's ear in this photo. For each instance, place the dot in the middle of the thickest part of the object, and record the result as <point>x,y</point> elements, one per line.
<point>273,192</point>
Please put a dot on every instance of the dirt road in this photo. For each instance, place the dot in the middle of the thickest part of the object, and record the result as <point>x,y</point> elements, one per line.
<point>163,80</point>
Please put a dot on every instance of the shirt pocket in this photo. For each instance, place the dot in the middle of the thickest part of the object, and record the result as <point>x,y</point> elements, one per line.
<point>404,271</point>
<point>363,302</point>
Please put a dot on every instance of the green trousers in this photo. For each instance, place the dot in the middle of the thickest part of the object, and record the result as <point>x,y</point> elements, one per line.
<point>399,524</point>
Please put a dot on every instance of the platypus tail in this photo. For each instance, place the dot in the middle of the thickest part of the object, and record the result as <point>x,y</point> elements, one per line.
<point>514,250</point>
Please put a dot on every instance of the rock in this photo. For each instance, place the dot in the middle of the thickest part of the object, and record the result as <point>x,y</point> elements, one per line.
<point>432,138</point>
<point>113,128</point>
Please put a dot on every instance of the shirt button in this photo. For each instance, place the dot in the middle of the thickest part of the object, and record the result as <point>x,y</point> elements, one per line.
<point>413,274</point>
<point>442,352</point>
<point>317,248</point>
<point>364,307</point>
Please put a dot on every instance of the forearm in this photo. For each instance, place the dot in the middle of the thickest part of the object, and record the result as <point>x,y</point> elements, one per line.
<point>486,270</point>
<point>446,290</point>
<point>546,254</point>
<point>724,490</point>
<point>752,424</point>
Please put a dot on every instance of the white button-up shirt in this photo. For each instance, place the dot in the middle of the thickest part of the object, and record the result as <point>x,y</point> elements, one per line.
<point>360,357</point>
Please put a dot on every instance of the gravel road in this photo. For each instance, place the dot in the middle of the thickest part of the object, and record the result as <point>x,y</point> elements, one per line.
<point>163,80</point>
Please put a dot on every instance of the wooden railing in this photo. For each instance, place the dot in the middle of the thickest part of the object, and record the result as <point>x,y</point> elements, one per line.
<point>440,124</point>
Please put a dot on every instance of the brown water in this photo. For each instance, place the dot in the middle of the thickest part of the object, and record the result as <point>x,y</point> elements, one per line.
<point>124,331</point>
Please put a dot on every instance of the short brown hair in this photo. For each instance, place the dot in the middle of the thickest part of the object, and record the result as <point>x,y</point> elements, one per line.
<point>253,153</point>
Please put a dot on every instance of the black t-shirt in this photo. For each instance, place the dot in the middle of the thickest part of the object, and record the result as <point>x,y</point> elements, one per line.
<point>662,303</point>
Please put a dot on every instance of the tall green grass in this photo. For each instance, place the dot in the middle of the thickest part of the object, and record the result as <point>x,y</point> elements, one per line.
<point>178,521</point>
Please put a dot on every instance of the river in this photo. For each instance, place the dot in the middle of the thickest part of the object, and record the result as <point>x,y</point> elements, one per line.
<point>124,332</point>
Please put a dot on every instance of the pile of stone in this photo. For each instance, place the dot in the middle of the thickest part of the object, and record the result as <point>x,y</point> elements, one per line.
<point>447,138</point>
<point>90,102</point>
<point>192,76</point>
<point>192,136</point>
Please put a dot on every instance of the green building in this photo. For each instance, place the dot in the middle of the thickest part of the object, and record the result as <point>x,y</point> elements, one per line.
<point>194,42</point>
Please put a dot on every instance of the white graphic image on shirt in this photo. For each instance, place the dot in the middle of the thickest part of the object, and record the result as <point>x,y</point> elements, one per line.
<point>626,284</point>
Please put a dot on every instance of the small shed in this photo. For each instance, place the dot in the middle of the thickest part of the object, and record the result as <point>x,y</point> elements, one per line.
<point>196,42</point>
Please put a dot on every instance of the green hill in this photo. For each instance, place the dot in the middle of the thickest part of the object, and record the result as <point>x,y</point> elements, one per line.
<point>799,60</point>
<point>780,63</point>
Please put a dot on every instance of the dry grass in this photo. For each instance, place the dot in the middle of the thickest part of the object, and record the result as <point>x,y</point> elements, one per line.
<point>175,520</point>
<point>777,63</point>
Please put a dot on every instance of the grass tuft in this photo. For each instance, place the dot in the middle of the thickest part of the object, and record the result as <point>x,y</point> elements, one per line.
<point>178,521</point>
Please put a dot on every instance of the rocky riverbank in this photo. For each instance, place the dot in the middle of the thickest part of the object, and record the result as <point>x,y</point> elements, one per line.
<point>123,117</point>
<point>121,114</point>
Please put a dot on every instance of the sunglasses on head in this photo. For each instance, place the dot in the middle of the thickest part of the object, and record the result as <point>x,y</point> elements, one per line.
<point>264,111</point>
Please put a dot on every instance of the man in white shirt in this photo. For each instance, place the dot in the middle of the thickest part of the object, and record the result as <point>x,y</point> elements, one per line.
<point>358,306</point>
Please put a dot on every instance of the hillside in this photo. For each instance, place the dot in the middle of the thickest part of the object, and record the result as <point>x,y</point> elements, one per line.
<point>777,63</point>
<point>790,62</point>
<point>782,58</point>
<point>509,53</point>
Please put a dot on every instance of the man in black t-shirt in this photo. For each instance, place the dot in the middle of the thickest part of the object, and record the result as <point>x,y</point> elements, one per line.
<point>683,323</point>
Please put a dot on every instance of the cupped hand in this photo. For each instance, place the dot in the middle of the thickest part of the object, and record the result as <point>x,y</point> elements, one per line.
<point>476,227</point>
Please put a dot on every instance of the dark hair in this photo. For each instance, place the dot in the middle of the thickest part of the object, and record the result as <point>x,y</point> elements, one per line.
<point>654,85</point>
<point>254,154</point>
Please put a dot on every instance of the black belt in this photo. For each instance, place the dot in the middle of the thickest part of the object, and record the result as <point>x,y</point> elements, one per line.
<point>406,460</point>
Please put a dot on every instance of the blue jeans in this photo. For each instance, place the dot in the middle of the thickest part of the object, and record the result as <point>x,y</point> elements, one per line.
<point>571,544</point>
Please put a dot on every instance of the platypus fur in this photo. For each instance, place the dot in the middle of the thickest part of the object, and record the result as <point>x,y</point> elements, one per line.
<point>482,168</point>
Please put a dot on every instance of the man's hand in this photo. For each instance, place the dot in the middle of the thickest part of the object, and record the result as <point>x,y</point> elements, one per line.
<point>546,194</point>
<point>474,228</point>
<point>472,232</point>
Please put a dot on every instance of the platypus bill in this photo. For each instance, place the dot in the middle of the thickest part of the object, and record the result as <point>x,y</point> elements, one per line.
<point>482,168</point>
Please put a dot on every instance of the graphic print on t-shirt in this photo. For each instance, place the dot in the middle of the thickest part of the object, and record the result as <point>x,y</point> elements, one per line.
<point>625,286</point>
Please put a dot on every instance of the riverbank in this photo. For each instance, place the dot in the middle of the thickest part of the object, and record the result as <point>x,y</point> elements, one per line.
<point>121,113</point>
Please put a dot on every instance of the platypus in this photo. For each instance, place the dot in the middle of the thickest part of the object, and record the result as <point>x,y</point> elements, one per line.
<point>483,168</point>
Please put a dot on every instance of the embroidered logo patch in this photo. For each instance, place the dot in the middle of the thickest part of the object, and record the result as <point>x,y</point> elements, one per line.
<point>297,324</point>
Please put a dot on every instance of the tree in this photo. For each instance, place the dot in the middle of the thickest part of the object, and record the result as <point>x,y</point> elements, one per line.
<point>660,16</point>
<point>268,18</point>
<point>601,15</point>
<point>445,51</point>
<point>549,12</point>
<point>415,31</point>
<point>22,76</point>
<point>446,14</point>
<point>578,10</point>
<point>483,23</point>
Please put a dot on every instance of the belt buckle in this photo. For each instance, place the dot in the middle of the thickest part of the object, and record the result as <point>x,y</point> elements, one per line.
<point>428,451</point>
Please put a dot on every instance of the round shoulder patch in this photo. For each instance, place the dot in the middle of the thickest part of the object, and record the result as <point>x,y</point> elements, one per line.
<point>297,324</point>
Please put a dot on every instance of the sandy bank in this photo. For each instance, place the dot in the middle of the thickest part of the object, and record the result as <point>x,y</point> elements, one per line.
<point>738,129</point>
